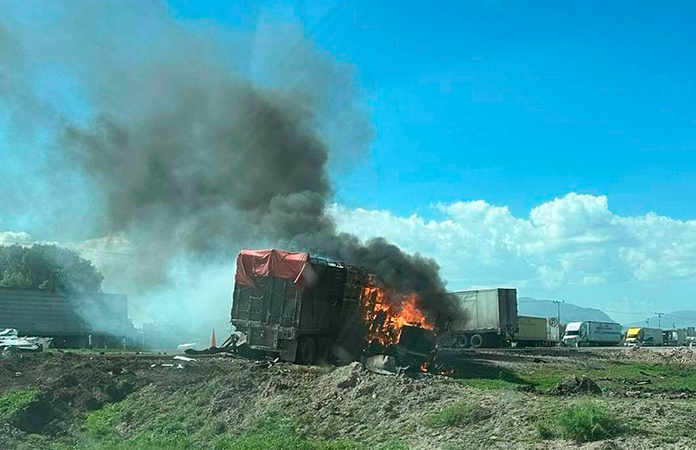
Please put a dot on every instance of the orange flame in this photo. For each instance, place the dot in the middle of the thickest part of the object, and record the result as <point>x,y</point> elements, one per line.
<point>385,318</point>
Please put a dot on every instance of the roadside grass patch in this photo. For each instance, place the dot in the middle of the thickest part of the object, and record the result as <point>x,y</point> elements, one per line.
<point>275,432</point>
<point>581,422</point>
<point>488,384</point>
<point>13,402</point>
<point>140,422</point>
<point>456,415</point>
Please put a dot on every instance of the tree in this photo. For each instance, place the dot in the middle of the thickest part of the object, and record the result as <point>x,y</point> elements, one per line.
<point>49,267</point>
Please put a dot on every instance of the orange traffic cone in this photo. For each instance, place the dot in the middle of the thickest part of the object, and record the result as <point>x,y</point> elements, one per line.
<point>212,339</point>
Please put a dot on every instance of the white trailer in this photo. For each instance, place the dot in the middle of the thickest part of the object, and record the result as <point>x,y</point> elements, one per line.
<point>592,334</point>
<point>488,319</point>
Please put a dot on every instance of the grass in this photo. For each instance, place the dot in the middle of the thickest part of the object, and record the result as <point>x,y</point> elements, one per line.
<point>581,422</point>
<point>614,375</point>
<point>181,421</point>
<point>13,402</point>
<point>489,384</point>
<point>456,415</point>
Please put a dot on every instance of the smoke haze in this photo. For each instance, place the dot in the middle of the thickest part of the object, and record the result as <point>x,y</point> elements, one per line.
<point>166,147</point>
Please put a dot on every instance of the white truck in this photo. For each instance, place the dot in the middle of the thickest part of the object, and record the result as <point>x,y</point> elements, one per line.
<point>592,334</point>
<point>488,319</point>
<point>643,336</point>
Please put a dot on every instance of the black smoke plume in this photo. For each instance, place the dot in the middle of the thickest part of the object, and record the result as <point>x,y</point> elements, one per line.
<point>190,153</point>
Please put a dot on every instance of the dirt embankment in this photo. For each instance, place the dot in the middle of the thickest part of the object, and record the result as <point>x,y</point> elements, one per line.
<point>325,402</point>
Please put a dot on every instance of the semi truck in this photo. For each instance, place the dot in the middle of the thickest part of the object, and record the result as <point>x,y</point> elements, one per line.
<point>306,309</point>
<point>675,338</point>
<point>643,336</point>
<point>593,334</point>
<point>488,319</point>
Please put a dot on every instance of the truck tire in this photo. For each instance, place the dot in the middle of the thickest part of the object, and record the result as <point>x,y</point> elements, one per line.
<point>476,341</point>
<point>306,350</point>
<point>462,341</point>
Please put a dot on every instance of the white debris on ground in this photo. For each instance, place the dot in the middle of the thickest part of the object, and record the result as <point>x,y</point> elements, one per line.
<point>11,341</point>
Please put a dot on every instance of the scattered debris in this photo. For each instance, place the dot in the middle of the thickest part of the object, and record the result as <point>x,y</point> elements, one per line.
<point>10,342</point>
<point>184,358</point>
<point>190,345</point>
<point>574,385</point>
<point>381,364</point>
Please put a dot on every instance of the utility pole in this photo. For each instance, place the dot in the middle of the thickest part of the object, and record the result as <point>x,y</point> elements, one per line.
<point>558,303</point>
<point>659,318</point>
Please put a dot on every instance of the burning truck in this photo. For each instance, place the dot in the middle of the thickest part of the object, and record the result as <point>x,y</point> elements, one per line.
<point>306,309</point>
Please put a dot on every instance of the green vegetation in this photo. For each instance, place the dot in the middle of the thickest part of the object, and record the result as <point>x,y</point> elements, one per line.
<point>47,266</point>
<point>182,421</point>
<point>457,415</point>
<point>489,384</point>
<point>13,402</point>
<point>581,422</point>
<point>608,375</point>
<point>588,422</point>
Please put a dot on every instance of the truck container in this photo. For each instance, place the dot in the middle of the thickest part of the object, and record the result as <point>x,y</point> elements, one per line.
<point>643,336</point>
<point>305,309</point>
<point>488,319</point>
<point>532,332</point>
<point>580,334</point>
<point>675,338</point>
<point>70,319</point>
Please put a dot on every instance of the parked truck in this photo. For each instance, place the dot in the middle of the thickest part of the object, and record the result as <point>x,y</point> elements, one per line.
<point>675,338</point>
<point>488,319</point>
<point>532,332</point>
<point>70,319</point>
<point>592,334</point>
<point>643,336</point>
<point>305,309</point>
<point>537,332</point>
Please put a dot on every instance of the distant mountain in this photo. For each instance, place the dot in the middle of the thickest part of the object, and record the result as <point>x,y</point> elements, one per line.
<point>676,319</point>
<point>527,306</point>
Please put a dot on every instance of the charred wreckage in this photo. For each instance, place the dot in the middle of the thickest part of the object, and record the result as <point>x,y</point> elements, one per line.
<point>304,309</point>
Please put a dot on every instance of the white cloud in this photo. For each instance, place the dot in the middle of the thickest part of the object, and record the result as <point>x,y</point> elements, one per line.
<point>572,242</point>
<point>14,237</point>
<point>573,247</point>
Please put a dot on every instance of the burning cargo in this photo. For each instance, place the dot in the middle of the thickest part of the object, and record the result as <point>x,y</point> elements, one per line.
<point>306,309</point>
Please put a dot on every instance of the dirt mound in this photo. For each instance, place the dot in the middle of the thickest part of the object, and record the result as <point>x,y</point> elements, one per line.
<point>675,355</point>
<point>574,385</point>
<point>86,386</point>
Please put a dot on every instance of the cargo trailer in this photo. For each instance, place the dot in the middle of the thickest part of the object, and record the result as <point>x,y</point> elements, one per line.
<point>488,319</point>
<point>643,336</point>
<point>296,306</point>
<point>532,332</point>
<point>581,334</point>
<point>675,338</point>
<point>70,319</point>
<point>305,309</point>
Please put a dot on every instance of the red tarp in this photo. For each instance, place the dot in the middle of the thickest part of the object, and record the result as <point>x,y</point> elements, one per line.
<point>273,263</point>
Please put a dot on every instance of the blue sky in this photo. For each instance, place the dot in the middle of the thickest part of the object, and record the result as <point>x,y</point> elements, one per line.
<point>512,102</point>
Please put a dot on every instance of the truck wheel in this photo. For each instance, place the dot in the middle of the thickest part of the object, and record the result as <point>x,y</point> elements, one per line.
<point>463,341</point>
<point>306,350</point>
<point>476,341</point>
